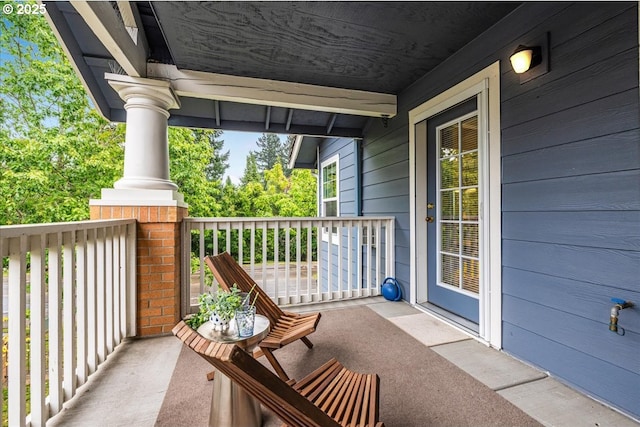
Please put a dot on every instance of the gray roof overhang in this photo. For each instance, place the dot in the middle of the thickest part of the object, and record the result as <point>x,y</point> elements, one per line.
<point>308,68</point>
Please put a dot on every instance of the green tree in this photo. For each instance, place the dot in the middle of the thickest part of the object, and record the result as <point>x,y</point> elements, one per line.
<point>219,161</point>
<point>56,152</point>
<point>271,150</point>
<point>251,173</point>
<point>190,154</point>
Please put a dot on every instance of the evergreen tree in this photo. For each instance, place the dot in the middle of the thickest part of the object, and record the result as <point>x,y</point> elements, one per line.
<point>271,150</point>
<point>251,173</point>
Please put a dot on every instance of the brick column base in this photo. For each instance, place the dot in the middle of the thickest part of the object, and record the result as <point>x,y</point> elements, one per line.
<point>158,263</point>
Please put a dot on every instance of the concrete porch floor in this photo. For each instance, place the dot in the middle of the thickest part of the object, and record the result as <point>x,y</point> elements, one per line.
<point>131,384</point>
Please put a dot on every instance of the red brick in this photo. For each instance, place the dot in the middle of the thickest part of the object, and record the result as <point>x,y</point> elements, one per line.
<point>161,320</point>
<point>149,312</point>
<point>161,302</point>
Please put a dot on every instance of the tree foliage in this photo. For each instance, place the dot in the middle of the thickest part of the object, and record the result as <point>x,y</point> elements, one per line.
<point>271,150</point>
<point>57,152</point>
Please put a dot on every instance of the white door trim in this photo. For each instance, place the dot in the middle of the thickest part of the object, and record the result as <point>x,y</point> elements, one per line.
<point>486,85</point>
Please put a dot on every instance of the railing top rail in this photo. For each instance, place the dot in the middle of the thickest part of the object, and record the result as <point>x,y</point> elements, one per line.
<point>9,231</point>
<point>280,219</point>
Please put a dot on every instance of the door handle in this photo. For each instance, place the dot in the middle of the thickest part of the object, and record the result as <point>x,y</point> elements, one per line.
<point>429,219</point>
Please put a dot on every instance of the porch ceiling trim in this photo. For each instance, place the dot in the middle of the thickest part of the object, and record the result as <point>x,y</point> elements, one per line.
<point>111,31</point>
<point>249,90</point>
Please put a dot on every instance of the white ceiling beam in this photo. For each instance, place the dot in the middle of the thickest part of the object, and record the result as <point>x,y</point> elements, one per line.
<point>111,31</point>
<point>133,23</point>
<point>247,90</point>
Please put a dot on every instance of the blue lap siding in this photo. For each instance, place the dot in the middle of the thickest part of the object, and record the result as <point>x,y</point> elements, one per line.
<point>570,189</point>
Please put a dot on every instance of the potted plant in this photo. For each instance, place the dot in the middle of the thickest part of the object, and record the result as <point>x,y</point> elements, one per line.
<point>219,308</point>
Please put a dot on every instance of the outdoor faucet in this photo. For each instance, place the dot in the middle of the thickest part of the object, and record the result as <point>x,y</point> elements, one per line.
<point>620,304</point>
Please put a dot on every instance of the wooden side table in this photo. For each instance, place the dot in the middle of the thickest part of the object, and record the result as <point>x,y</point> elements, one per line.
<point>231,406</point>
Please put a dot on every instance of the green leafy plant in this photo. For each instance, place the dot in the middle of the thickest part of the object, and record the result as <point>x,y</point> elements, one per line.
<point>225,303</point>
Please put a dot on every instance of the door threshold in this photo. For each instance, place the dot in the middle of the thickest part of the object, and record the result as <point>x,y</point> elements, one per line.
<point>464,324</point>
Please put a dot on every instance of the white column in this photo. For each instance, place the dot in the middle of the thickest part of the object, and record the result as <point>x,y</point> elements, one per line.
<point>146,151</point>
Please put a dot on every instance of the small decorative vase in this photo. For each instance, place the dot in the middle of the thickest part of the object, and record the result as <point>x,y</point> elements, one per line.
<point>220,324</point>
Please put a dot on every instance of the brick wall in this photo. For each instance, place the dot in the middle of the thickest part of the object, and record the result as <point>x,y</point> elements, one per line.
<point>158,263</point>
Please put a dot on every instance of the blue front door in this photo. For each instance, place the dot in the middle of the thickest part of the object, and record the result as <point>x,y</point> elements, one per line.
<point>453,222</point>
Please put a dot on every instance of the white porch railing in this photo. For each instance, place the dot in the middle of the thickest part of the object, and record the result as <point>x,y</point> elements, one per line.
<point>311,260</point>
<point>68,300</point>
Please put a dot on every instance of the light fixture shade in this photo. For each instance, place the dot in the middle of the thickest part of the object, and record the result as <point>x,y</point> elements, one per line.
<point>521,59</point>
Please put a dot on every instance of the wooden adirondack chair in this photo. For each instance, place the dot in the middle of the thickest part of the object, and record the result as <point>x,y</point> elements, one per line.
<point>286,327</point>
<point>330,396</point>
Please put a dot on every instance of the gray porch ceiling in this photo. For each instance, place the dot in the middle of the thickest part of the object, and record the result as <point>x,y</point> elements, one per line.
<point>376,49</point>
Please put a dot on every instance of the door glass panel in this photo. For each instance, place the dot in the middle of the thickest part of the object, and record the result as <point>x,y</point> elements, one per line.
<point>451,238</point>
<point>449,205</point>
<point>458,180</point>
<point>470,204</point>
<point>471,275</point>
<point>450,172</point>
<point>470,134</point>
<point>449,143</point>
<point>450,270</point>
<point>470,240</point>
<point>470,169</point>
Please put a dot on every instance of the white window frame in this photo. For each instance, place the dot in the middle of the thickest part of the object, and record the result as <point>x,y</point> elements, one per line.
<point>321,205</point>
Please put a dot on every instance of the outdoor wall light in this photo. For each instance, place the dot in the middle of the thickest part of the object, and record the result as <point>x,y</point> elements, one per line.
<point>531,57</point>
<point>524,58</point>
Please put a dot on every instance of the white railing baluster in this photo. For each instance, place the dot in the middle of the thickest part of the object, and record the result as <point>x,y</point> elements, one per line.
<point>108,290</point>
<point>100,296</point>
<point>92,307</point>
<point>116,286</point>
<point>68,314</point>
<point>350,258</point>
<point>240,242</point>
<point>276,255</point>
<point>340,272</point>
<point>378,277</point>
<point>37,328</point>
<point>287,259</point>
<point>252,239</point>
<point>17,330</point>
<point>298,259</point>
<point>264,257</point>
<point>55,324</point>
<point>309,259</point>
<point>81,296</point>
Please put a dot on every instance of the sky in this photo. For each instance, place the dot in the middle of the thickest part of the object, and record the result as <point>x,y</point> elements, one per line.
<point>238,144</point>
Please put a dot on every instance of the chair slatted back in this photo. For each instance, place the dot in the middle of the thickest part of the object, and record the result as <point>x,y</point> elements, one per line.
<point>288,404</point>
<point>227,272</point>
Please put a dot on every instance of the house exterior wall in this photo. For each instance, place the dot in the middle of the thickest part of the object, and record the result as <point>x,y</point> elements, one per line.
<point>570,190</point>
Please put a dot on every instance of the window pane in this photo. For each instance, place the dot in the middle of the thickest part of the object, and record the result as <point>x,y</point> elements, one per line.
<point>449,141</point>
<point>331,208</point>
<point>470,240</point>
<point>450,270</point>
<point>470,134</point>
<point>449,205</point>
<point>470,169</point>
<point>450,239</point>
<point>329,181</point>
<point>471,275</point>
<point>449,172</point>
<point>470,204</point>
